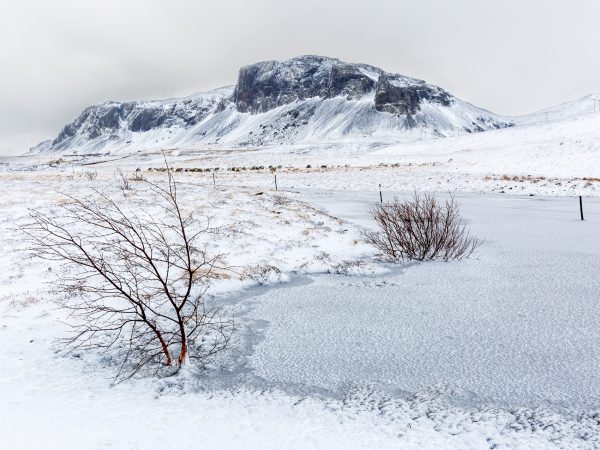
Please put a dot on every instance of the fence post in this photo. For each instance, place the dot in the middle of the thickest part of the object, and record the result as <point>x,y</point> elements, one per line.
<point>380,196</point>
<point>581,207</point>
<point>275,181</point>
<point>214,181</point>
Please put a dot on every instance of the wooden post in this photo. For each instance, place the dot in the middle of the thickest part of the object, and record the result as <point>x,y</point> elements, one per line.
<point>581,207</point>
<point>275,181</point>
<point>380,196</point>
<point>214,181</point>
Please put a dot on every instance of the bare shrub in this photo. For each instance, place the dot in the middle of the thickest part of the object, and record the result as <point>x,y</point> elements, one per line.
<point>262,274</point>
<point>91,175</point>
<point>421,228</point>
<point>346,267</point>
<point>280,200</point>
<point>137,280</point>
<point>56,162</point>
<point>125,185</point>
<point>138,175</point>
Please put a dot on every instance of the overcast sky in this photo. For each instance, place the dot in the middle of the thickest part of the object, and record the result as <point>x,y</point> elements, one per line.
<point>510,56</point>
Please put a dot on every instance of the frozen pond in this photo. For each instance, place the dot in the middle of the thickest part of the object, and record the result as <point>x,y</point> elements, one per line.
<point>517,323</point>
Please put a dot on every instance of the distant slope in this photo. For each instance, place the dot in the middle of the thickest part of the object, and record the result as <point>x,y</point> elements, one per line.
<point>563,148</point>
<point>302,100</point>
<point>568,110</point>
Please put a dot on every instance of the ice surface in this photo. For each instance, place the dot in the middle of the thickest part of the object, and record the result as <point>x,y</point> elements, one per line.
<point>517,323</point>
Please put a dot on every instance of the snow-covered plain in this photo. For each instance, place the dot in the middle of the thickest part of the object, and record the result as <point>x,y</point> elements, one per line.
<point>337,348</point>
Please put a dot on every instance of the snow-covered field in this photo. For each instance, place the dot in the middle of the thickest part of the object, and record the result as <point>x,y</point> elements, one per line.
<point>336,348</point>
<point>517,324</point>
<point>558,157</point>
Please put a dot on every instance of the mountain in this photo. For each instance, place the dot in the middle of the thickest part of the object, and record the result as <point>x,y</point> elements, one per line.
<point>308,99</point>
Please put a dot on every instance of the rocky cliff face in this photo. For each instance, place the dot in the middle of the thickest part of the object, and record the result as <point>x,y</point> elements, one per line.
<point>396,96</point>
<point>267,85</point>
<point>303,99</point>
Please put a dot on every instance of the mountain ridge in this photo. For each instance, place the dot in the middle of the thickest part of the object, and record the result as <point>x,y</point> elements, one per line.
<point>304,99</point>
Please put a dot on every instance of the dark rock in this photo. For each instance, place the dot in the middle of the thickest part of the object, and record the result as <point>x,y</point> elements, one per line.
<point>148,119</point>
<point>267,85</point>
<point>397,96</point>
<point>349,81</point>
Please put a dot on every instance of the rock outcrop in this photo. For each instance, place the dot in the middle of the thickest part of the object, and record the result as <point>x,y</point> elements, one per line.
<point>396,96</point>
<point>267,85</point>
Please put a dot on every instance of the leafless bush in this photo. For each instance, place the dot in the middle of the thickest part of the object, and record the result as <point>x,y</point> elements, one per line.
<point>346,267</point>
<point>421,228</point>
<point>280,200</point>
<point>262,274</point>
<point>57,162</point>
<point>138,175</point>
<point>91,175</point>
<point>137,280</point>
<point>125,186</point>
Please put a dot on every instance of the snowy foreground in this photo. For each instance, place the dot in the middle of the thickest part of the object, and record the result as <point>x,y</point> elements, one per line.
<point>335,348</point>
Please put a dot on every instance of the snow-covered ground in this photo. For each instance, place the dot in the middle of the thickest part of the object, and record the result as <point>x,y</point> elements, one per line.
<point>559,157</point>
<point>336,348</point>
<point>517,324</point>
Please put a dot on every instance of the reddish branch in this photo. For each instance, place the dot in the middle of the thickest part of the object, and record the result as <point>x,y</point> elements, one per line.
<point>421,228</point>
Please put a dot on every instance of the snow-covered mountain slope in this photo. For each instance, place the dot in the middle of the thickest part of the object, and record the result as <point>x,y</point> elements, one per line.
<point>568,110</point>
<point>561,148</point>
<point>114,123</point>
<point>304,99</point>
